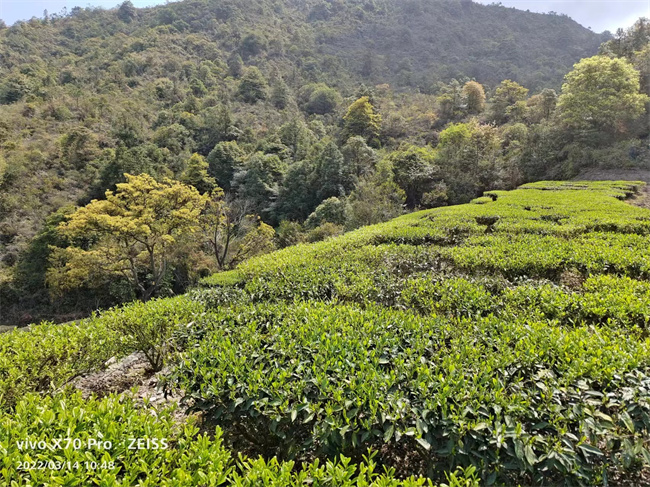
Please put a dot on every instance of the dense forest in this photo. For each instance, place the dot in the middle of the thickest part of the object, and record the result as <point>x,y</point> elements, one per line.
<point>273,123</point>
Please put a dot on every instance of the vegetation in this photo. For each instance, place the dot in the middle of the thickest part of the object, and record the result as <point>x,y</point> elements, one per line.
<point>281,119</point>
<point>181,457</point>
<point>505,340</point>
<point>136,231</point>
<point>147,153</point>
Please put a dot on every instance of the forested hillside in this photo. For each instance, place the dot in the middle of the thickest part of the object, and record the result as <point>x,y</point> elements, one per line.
<point>297,120</point>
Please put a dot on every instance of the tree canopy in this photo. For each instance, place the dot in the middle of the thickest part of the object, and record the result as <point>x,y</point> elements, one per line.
<point>601,94</point>
<point>136,233</point>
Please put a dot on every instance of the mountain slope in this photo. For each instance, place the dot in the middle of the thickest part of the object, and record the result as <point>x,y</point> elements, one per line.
<point>408,43</point>
<point>87,97</point>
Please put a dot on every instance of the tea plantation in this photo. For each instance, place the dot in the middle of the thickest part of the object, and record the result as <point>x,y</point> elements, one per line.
<point>503,342</point>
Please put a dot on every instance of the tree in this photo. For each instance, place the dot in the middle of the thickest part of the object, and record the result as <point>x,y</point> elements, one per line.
<point>332,177</point>
<point>450,100</point>
<point>377,198</point>
<point>126,12</point>
<point>174,137</point>
<point>232,233</point>
<point>297,137</point>
<point>235,66</point>
<point>549,102</point>
<point>626,43</point>
<point>198,88</point>
<point>541,106</point>
<point>359,157</point>
<point>468,157</point>
<point>280,95</point>
<point>253,86</point>
<point>135,233</point>
<point>258,182</point>
<point>415,171</point>
<point>79,146</point>
<point>362,120</point>
<point>323,100</point>
<point>196,174</point>
<point>331,210</point>
<point>602,95</point>
<point>223,161</point>
<point>507,94</point>
<point>252,45</point>
<point>298,198</point>
<point>289,233</point>
<point>475,97</point>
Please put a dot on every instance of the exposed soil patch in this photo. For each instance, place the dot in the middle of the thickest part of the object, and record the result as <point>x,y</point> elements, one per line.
<point>642,199</point>
<point>121,376</point>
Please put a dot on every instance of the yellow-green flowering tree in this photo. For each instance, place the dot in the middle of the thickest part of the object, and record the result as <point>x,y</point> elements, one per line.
<point>135,233</point>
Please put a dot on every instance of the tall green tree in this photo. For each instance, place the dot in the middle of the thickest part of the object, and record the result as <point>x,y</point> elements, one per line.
<point>332,177</point>
<point>323,100</point>
<point>196,174</point>
<point>258,182</point>
<point>601,96</point>
<point>253,86</point>
<point>474,97</point>
<point>505,100</point>
<point>415,170</point>
<point>468,155</point>
<point>362,119</point>
<point>376,198</point>
<point>359,157</point>
<point>224,161</point>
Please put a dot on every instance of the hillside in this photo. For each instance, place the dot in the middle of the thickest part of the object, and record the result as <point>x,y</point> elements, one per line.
<point>342,42</point>
<point>504,340</point>
<point>263,95</point>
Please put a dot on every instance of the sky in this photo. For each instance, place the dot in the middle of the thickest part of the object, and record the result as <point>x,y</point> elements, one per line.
<point>600,15</point>
<point>12,10</point>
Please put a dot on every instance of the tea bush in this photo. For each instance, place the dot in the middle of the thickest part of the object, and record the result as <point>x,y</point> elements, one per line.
<point>46,356</point>
<point>43,358</point>
<point>149,326</point>
<point>505,397</point>
<point>94,442</point>
<point>506,339</point>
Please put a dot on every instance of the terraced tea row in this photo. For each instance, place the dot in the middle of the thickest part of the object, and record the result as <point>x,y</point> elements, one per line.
<point>504,340</point>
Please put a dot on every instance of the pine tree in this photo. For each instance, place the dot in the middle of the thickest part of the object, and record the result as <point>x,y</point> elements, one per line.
<point>361,119</point>
<point>196,174</point>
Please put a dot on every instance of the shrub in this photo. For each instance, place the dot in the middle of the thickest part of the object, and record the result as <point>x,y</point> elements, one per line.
<point>177,456</point>
<point>42,358</point>
<point>149,326</point>
<point>298,380</point>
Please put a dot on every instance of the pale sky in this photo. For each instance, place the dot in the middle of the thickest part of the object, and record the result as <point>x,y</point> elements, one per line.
<point>600,15</point>
<point>12,10</point>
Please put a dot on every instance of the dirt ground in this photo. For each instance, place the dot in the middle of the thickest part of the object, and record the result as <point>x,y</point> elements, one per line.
<point>642,200</point>
<point>130,375</point>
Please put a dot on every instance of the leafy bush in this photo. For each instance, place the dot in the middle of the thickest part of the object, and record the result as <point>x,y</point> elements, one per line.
<point>176,455</point>
<point>189,459</point>
<point>297,380</point>
<point>149,326</point>
<point>42,358</point>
